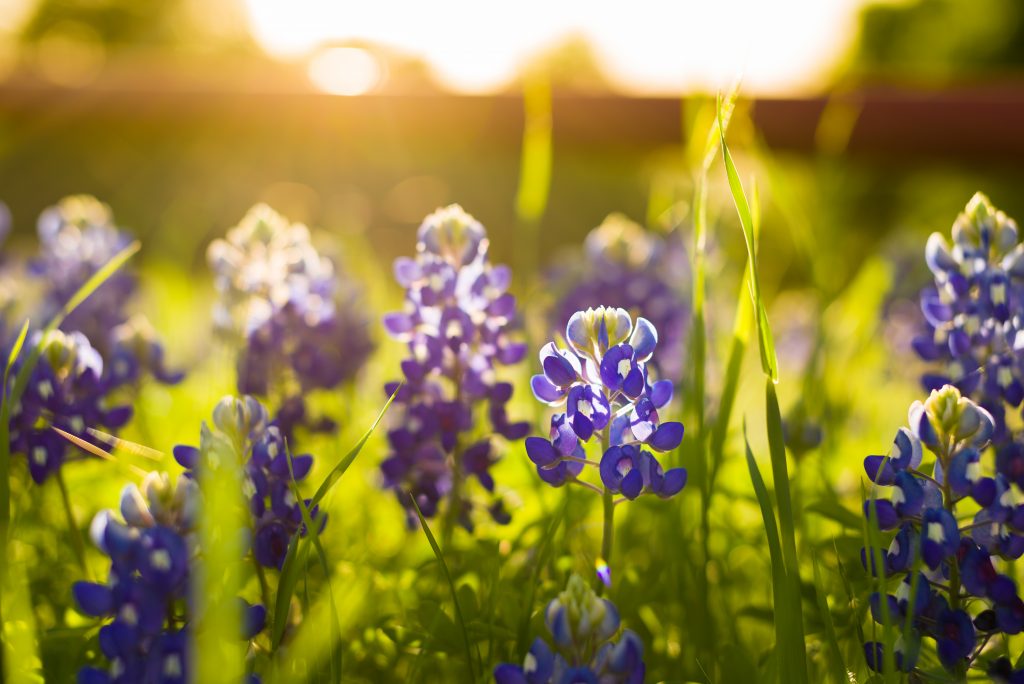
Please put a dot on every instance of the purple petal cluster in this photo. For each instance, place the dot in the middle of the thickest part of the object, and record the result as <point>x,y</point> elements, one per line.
<point>604,383</point>
<point>631,268</point>
<point>77,237</point>
<point>457,323</point>
<point>974,312</point>
<point>964,593</point>
<point>145,597</point>
<point>581,626</point>
<point>299,323</point>
<point>263,450</point>
<point>67,389</point>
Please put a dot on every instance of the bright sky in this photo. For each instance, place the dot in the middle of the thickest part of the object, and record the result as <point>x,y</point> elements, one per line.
<point>645,46</point>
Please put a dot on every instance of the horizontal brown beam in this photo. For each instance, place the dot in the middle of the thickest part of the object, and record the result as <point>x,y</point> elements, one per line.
<point>980,123</point>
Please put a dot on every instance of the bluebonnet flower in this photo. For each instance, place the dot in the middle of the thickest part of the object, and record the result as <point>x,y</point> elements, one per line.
<point>66,389</point>
<point>262,448</point>
<point>457,321</point>
<point>974,313</point>
<point>152,555</point>
<point>77,237</point>
<point>961,596</point>
<point>581,625</point>
<point>299,323</point>
<point>632,268</point>
<point>604,382</point>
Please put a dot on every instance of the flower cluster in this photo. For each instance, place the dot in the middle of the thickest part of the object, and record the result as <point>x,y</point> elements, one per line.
<point>299,323</point>
<point>269,470</point>
<point>959,597</point>
<point>67,389</point>
<point>974,313</point>
<point>147,592</point>
<point>77,237</point>
<point>456,322</point>
<point>603,381</point>
<point>581,626</point>
<point>629,267</point>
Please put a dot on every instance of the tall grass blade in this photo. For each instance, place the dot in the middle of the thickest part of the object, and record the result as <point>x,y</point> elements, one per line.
<point>837,666</point>
<point>289,576</point>
<point>451,585</point>
<point>5,448</point>
<point>343,465</point>
<point>287,581</point>
<point>220,574</point>
<point>698,362</point>
<point>534,166</point>
<point>769,360</point>
<point>781,587</point>
<point>313,533</point>
<point>780,474</point>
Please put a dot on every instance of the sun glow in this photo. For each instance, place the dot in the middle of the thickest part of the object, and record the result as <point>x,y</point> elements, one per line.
<point>645,46</point>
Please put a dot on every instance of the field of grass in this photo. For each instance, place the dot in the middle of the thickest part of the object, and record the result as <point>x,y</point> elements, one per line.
<point>798,324</point>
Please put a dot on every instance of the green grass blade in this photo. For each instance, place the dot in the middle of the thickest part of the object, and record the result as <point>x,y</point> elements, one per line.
<point>451,585</point>
<point>733,368</point>
<point>535,164</point>
<point>287,581</point>
<point>289,576</point>
<point>343,465</point>
<point>313,533</point>
<point>5,447</point>
<point>781,592</point>
<point>780,474</point>
<point>769,360</point>
<point>837,666</point>
<point>90,286</point>
<point>221,571</point>
<point>15,351</point>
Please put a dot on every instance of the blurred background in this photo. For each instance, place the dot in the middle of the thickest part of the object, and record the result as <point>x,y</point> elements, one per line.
<point>880,119</point>
<point>364,117</point>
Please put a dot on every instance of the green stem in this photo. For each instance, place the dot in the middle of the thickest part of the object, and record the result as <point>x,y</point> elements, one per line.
<point>451,516</point>
<point>76,534</point>
<point>264,589</point>
<point>608,534</point>
<point>954,565</point>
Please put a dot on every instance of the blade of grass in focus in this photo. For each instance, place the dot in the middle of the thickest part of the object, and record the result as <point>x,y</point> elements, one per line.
<point>343,465</point>
<point>786,646</point>
<point>769,360</point>
<point>789,616</point>
<point>451,585</point>
<point>698,360</point>
<point>220,656</point>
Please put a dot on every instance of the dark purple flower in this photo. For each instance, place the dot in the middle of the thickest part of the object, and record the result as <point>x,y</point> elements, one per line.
<point>457,323</point>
